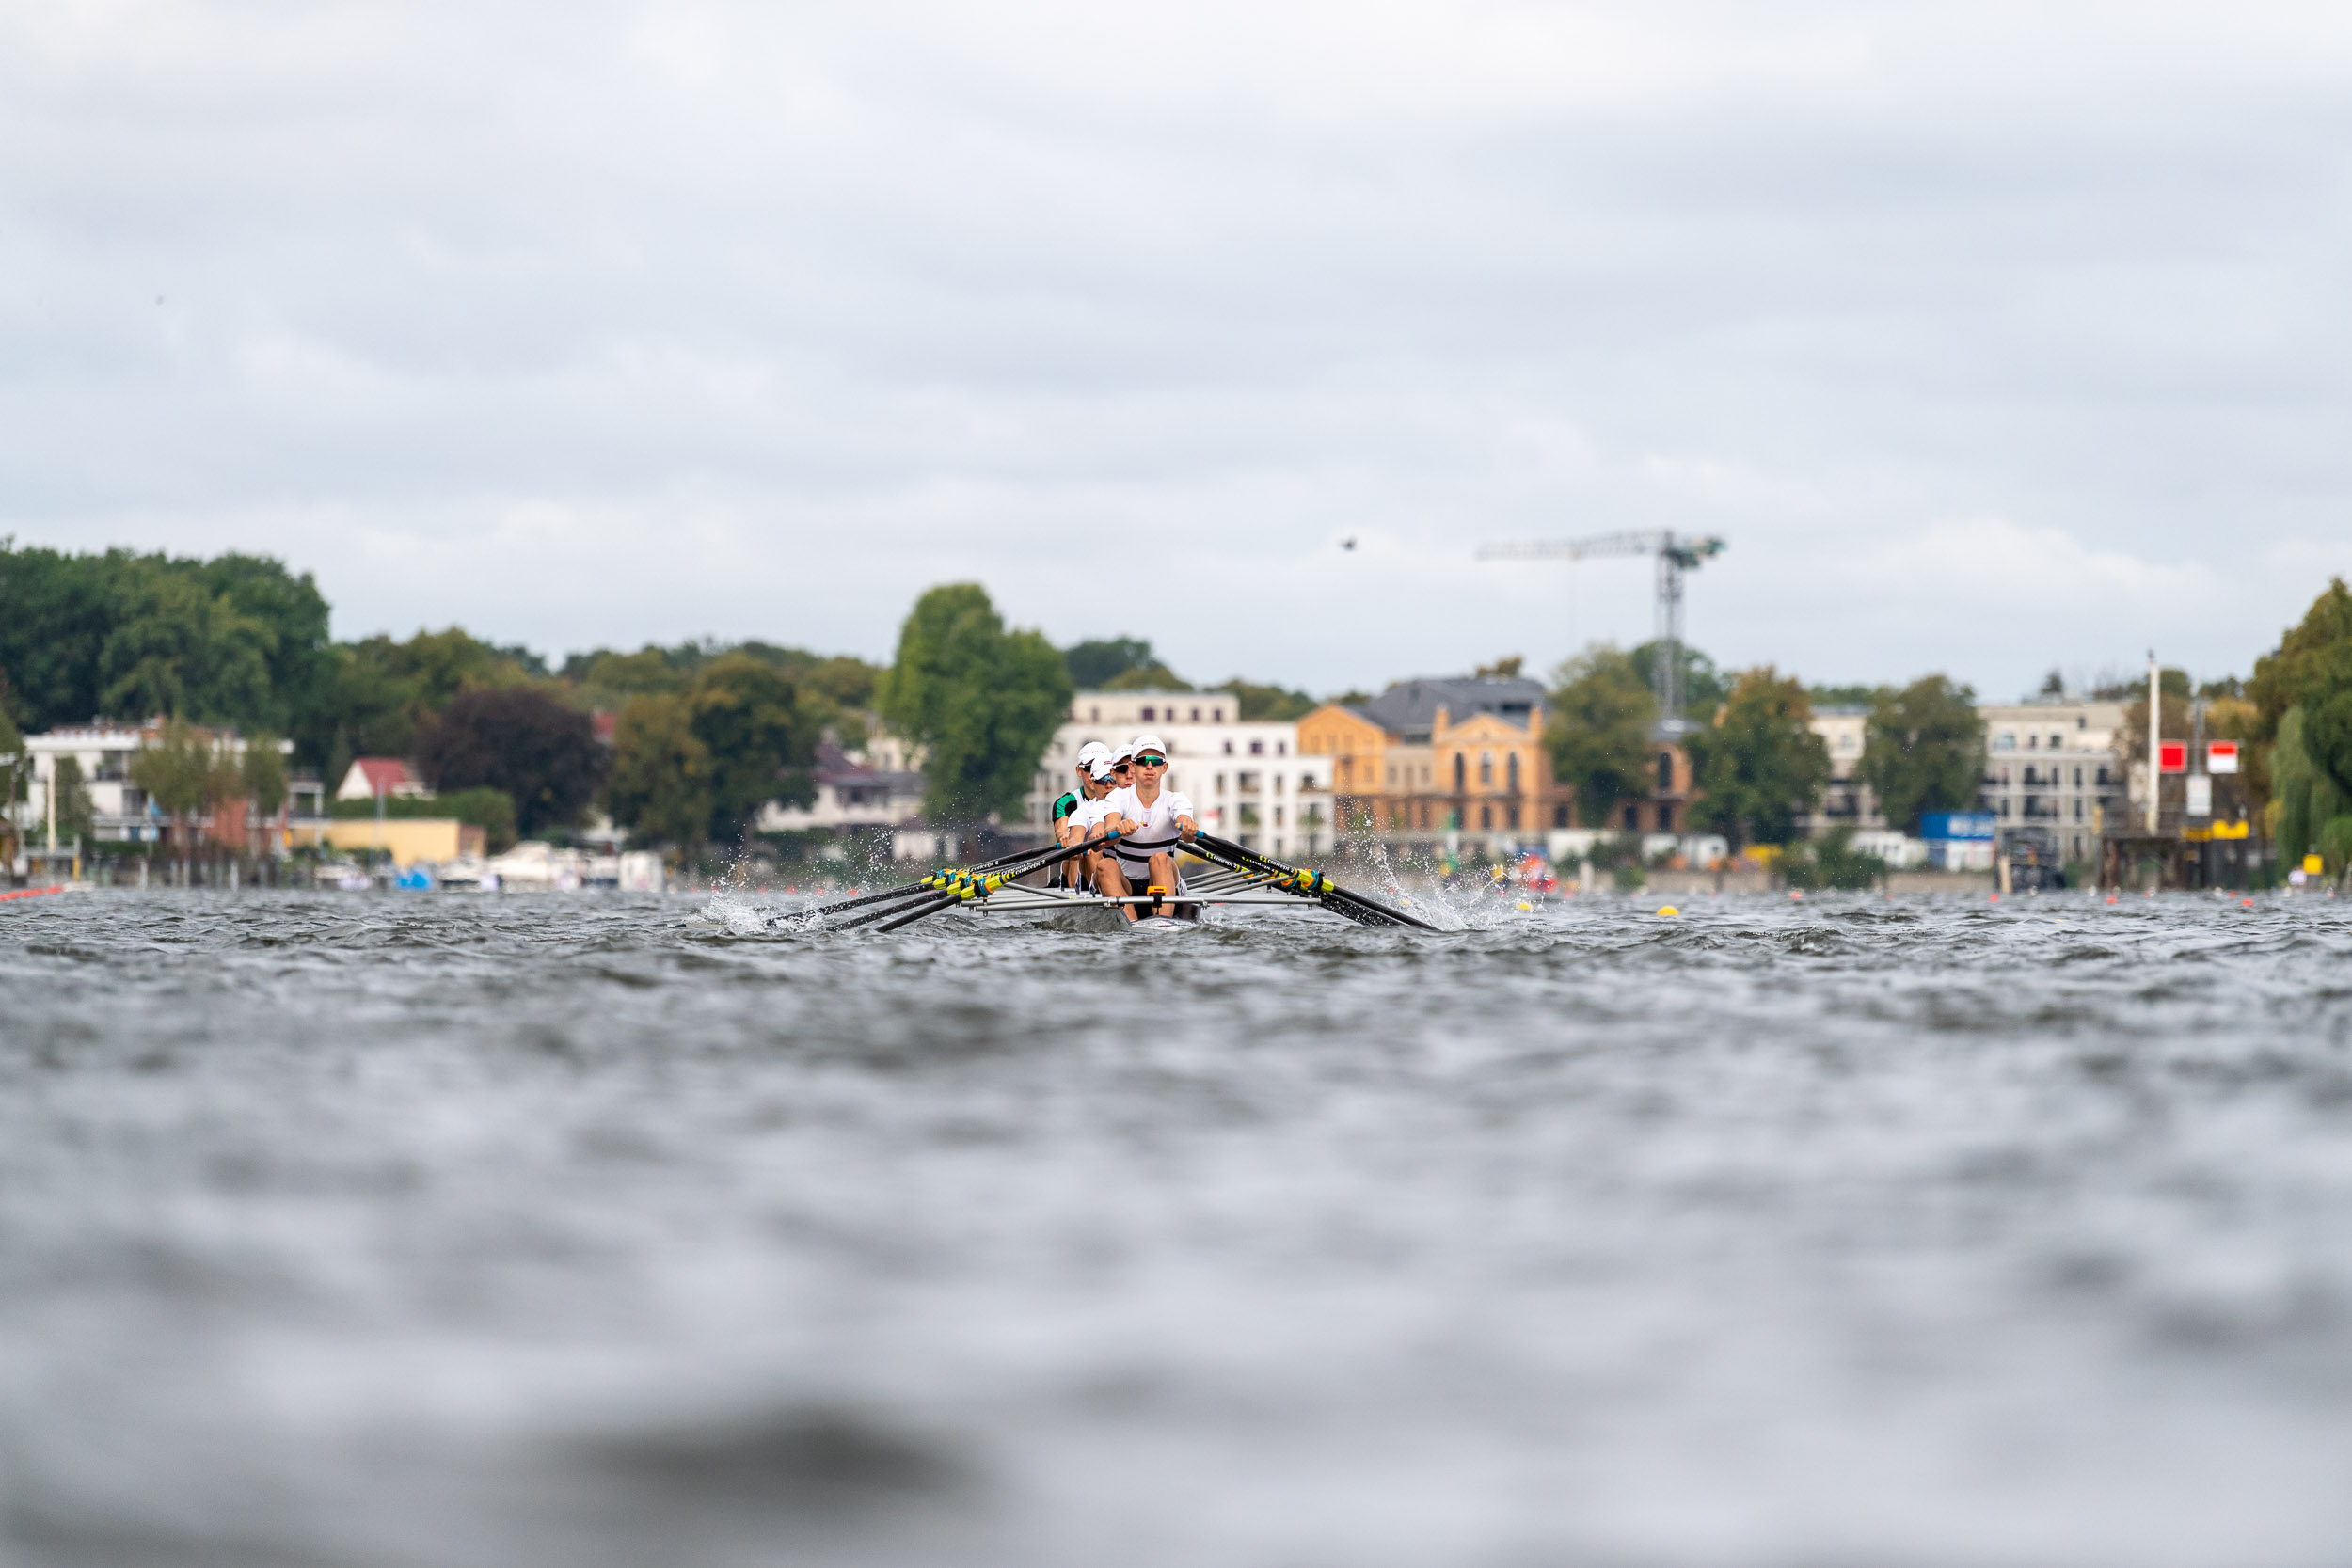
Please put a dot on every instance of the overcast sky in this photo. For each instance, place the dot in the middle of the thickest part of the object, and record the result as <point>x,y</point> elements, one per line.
<point>1991,337</point>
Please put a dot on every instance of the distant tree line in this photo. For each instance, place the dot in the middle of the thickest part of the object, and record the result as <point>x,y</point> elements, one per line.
<point>706,732</point>
<point>1757,766</point>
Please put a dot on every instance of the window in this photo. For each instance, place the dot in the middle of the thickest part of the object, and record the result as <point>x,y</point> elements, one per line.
<point>2078,808</point>
<point>2056,742</point>
<point>1514,786</point>
<point>1486,816</point>
<point>1459,774</point>
<point>1666,773</point>
<point>1216,716</point>
<point>1148,714</point>
<point>1220,783</point>
<point>1511,816</point>
<point>1282,748</point>
<point>1196,715</point>
<point>2079,778</point>
<point>1229,747</point>
<point>2004,742</point>
<point>1094,715</point>
<point>1632,818</point>
<point>1559,817</point>
<point>1278,817</point>
<point>2032,741</point>
<point>1278,783</point>
<point>1486,768</point>
<point>1257,747</point>
<point>1306,780</point>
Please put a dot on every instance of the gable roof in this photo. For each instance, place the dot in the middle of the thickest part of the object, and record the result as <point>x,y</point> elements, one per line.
<point>1410,708</point>
<point>370,774</point>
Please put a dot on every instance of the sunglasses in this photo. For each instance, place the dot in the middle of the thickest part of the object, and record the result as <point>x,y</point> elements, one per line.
<point>1151,762</point>
<point>1120,767</point>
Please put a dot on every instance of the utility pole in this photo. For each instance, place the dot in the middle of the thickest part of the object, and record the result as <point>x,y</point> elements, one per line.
<point>1675,557</point>
<point>2155,707</point>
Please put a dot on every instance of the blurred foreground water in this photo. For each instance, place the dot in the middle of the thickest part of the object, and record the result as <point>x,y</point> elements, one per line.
<point>447,1229</point>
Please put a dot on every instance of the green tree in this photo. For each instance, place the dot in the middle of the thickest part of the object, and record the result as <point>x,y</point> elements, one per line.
<point>518,739</point>
<point>2334,844</point>
<point>1923,751</point>
<point>1095,663</point>
<point>982,702</point>
<point>77,818</point>
<point>659,786</point>
<point>1760,764</point>
<point>2307,796</point>
<point>2307,667</point>
<point>1603,709</point>
<point>13,772</point>
<point>237,638</point>
<point>263,773</point>
<point>1252,702</point>
<point>382,696</point>
<point>1704,687</point>
<point>747,716</point>
<point>176,773</point>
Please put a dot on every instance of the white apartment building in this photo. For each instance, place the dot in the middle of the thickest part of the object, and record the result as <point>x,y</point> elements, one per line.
<point>1846,801</point>
<point>120,808</point>
<point>1248,779</point>
<point>2051,769</point>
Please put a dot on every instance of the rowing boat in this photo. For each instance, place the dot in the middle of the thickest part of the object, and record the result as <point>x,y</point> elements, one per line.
<point>1222,875</point>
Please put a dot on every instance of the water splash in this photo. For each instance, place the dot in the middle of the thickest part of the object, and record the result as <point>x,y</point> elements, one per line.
<point>730,902</point>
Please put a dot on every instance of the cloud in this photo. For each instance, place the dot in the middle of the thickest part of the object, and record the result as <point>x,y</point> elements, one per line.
<point>606,322</point>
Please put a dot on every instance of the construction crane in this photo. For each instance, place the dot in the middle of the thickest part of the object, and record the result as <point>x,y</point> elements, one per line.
<point>1676,556</point>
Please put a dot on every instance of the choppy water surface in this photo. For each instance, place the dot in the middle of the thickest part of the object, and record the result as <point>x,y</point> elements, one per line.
<point>463,1230</point>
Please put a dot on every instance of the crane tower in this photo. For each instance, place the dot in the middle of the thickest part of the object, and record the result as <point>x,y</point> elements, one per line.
<point>1676,556</point>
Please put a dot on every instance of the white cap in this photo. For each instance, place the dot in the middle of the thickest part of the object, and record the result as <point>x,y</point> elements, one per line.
<point>1093,750</point>
<point>1144,743</point>
<point>1124,752</point>
<point>1100,769</point>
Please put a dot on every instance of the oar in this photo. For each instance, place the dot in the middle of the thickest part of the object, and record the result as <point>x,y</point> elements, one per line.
<point>942,888</point>
<point>1327,892</point>
<point>1255,873</point>
<point>924,886</point>
<point>982,887</point>
<point>1315,886</point>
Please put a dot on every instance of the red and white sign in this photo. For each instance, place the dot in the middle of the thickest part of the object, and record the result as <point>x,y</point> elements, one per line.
<point>2171,756</point>
<point>2221,758</point>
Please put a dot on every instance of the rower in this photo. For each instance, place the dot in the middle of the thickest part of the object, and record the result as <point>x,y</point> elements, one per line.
<point>1088,755</point>
<point>1150,822</point>
<point>1079,816</point>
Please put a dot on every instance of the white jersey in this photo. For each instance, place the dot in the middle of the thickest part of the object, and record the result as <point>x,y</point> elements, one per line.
<point>1086,814</point>
<point>1159,822</point>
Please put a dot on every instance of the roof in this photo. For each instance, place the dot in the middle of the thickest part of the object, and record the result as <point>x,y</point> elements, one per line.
<point>383,772</point>
<point>370,776</point>
<point>834,767</point>
<point>1410,708</point>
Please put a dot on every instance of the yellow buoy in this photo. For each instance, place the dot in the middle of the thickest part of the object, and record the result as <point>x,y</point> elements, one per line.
<point>1668,909</point>
<point>1525,905</point>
